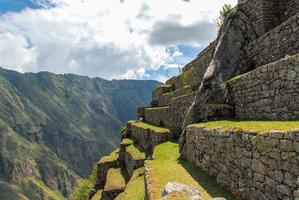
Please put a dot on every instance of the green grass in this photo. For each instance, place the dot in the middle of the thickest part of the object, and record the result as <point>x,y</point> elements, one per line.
<point>110,158</point>
<point>156,108</point>
<point>156,129</point>
<point>127,141</point>
<point>47,192</point>
<point>259,126</point>
<point>167,167</point>
<point>135,152</point>
<point>85,186</point>
<point>114,180</point>
<point>98,195</point>
<point>135,188</point>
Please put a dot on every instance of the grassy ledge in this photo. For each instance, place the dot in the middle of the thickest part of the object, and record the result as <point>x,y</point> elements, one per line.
<point>258,126</point>
<point>167,167</point>
<point>110,158</point>
<point>157,108</point>
<point>114,180</point>
<point>135,188</point>
<point>98,195</point>
<point>135,153</point>
<point>151,127</point>
<point>127,141</point>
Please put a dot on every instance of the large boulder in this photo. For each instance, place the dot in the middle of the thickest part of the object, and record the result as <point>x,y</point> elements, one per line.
<point>181,190</point>
<point>229,60</point>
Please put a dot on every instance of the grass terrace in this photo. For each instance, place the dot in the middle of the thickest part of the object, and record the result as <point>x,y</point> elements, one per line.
<point>258,126</point>
<point>114,180</point>
<point>135,188</point>
<point>127,141</point>
<point>156,129</point>
<point>110,158</point>
<point>166,166</point>
<point>135,152</point>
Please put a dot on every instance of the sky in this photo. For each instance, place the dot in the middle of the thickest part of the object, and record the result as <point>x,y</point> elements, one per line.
<point>111,39</point>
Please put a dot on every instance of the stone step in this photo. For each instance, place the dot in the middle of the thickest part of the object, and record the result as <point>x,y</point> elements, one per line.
<point>147,136</point>
<point>135,188</point>
<point>164,99</point>
<point>172,116</point>
<point>103,166</point>
<point>160,90</point>
<point>158,116</point>
<point>188,182</point>
<point>134,159</point>
<point>115,184</point>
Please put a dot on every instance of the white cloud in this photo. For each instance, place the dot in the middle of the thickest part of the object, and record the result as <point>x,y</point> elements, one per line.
<point>106,38</point>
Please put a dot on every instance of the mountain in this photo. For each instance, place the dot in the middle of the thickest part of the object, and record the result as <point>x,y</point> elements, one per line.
<point>54,127</point>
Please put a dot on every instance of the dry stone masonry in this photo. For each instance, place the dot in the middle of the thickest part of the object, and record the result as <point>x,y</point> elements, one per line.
<point>253,165</point>
<point>250,72</point>
<point>269,92</point>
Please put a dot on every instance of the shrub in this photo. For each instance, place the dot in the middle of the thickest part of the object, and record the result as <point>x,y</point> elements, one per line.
<point>226,9</point>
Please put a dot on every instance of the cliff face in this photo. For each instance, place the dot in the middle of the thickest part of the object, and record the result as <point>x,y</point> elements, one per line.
<point>53,128</point>
<point>250,72</point>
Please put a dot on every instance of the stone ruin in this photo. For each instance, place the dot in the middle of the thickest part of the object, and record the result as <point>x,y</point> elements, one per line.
<point>250,72</point>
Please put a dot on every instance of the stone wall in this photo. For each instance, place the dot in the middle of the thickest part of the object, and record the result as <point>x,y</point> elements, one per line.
<point>172,116</point>
<point>253,166</point>
<point>267,93</point>
<point>275,44</point>
<point>266,15</point>
<point>192,73</point>
<point>147,138</point>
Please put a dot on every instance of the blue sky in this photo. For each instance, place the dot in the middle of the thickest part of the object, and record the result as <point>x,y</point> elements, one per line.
<point>15,6</point>
<point>112,39</point>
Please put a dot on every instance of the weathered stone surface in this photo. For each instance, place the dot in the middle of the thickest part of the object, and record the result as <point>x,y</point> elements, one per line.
<point>247,92</point>
<point>188,190</point>
<point>244,162</point>
<point>147,138</point>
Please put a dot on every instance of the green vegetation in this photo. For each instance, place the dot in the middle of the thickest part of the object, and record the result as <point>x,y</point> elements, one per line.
<point>8,191</point>
<point>85,186</point>
<point>135,188</point>
<point>226,9</point>
<point>156,129</point>
<point>127,141</point>
<point>114,180</point>
<point>135,152</point>
<point>98,195</point>
<point>167,167</point>
<point>110,158</point>
<point>36,189</point>
<point>59,125</point>
<point>156,108</point>
<point>259,126</point>
<point>236,78</point>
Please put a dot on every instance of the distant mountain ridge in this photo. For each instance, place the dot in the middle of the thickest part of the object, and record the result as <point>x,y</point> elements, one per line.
<point>53,127</point>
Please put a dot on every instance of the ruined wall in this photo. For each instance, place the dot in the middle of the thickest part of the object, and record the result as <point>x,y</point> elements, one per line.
<point>253,166</point>
<point>192,73</point>
<point>270,92</point>
<point>275,44</point>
